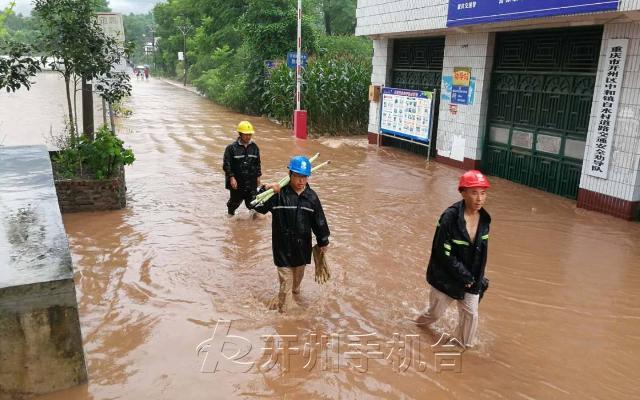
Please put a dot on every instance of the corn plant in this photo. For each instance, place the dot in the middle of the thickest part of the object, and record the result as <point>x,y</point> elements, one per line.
<point>334,93</point>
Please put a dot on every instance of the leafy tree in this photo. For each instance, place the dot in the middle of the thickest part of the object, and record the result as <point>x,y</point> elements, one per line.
<point>71,34</point>
<point>339,16</point>
<point>138,30</point>
<point>17,67</point>
<point>101,6</point>
<point>3,16</point>
<point>270,28</point>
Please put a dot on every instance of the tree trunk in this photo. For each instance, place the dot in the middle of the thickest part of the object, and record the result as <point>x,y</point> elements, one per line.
<point>104,112</point>
<point>72,130</point>
<point>113,120</point>
<point>326,5</point>
<point>75,100</point>
<point>87,110</point>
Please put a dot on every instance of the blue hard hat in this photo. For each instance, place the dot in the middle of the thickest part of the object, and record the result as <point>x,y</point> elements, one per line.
<point>300,165</point>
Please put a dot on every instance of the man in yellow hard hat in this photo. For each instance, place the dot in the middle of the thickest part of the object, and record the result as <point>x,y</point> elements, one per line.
<point>242,168</point>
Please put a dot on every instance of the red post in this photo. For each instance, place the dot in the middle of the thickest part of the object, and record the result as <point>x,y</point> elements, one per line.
<point>300,124</point>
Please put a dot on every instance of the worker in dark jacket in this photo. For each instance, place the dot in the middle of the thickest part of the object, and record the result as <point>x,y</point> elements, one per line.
<point>242,168</point>
<point>458,257</point>
<point>297,213</point>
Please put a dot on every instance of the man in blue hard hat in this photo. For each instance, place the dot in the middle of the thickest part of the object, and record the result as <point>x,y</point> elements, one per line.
<point>297,212</point>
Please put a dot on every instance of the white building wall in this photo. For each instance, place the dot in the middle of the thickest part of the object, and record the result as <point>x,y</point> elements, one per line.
<point>381,65</point>
<point>397,16</point>
<point>629,5</point>
<point>624,176</point>
<point>468,124</point>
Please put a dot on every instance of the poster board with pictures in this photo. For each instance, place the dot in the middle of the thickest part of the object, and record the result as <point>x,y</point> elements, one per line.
<point>407,114</point>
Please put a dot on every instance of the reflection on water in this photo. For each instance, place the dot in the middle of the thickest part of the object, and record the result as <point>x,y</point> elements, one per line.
<point>561,319</point>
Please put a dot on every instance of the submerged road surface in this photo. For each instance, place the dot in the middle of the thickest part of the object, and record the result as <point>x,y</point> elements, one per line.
<point>561,319</point>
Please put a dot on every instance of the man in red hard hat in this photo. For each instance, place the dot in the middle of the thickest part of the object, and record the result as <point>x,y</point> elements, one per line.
<point>458,258</point>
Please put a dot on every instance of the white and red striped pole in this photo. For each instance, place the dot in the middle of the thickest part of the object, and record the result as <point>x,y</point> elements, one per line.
<point>299,55</point>
<point>299,116</point>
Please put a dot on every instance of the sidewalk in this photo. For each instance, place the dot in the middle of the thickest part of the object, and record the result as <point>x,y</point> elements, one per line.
<point>179,84</point>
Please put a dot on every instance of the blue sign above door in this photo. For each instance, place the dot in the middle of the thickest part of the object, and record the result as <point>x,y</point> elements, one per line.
<point>467,12</point>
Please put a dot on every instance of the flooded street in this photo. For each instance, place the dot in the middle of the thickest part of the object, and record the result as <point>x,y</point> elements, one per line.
<point>38,115</point>
<point>561,319</point>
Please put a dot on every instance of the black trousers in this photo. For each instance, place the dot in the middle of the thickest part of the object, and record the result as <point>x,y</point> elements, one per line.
<point>237,196</point>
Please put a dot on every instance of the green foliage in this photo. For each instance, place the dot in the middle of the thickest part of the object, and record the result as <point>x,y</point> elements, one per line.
<point>71,33</point>
<point>67,163</point>
<point>19,28</point>
<point>113,86</point>
<point>334,93</point>
<point>138,30</point>
<point>270,28</point>
<point>4,13</point>
<point>16,69</point>
<point>358,48</point>
<point>99,158</point>
<point>105,153</point>
<point>339,16</point>
<point>226,82</point>
<point>231,39</point>
<point>101,6</point>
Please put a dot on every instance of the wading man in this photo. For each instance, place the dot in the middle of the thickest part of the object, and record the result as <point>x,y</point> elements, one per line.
<point>297,212</point>
<point>242,168</point>
<point>458,258</point>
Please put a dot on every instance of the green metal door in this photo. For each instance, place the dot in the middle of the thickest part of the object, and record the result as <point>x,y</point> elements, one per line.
<point>417,65</point>
<point>541,95</point>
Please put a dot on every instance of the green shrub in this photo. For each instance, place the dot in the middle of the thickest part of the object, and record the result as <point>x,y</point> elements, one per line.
<point>226,83</point>
<point>99,159</point>
<point>355,47</point>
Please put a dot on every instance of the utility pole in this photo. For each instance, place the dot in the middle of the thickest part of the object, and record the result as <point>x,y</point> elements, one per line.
<point>185,30</point>
<point>153,43</point>
<point>299,115</point>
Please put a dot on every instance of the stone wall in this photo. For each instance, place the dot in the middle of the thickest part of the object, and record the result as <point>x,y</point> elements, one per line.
<point>40,337</point>
<point>92,195</point>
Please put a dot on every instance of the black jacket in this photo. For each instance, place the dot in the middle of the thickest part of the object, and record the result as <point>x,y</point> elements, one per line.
<point>455,260</point>
<point>294,218</point>
<point>243,163</point>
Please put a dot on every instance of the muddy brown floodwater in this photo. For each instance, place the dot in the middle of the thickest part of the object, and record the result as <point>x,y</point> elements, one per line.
<point>560,321</point>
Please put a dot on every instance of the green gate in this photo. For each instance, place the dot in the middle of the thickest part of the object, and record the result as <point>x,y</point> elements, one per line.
<point>541,95</point>
<point>417,65</point>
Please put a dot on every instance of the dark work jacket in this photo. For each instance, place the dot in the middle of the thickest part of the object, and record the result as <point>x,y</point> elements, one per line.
<point>243,163</point>
<point>456,260</point>
<point>294,218</point>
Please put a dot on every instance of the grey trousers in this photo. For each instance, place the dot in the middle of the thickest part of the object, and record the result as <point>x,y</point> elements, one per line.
<point>467,330</point>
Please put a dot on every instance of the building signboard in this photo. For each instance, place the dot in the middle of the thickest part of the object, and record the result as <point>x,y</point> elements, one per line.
<point>608,100</point>
<point>467,12</point>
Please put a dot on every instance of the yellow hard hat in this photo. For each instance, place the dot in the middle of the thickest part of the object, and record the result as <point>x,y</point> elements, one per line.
<point>246,128</point>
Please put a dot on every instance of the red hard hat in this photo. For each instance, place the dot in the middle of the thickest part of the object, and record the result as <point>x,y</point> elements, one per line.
<point>473,179</point>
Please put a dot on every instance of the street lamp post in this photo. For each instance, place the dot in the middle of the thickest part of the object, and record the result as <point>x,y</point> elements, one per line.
<point>185,30</point>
